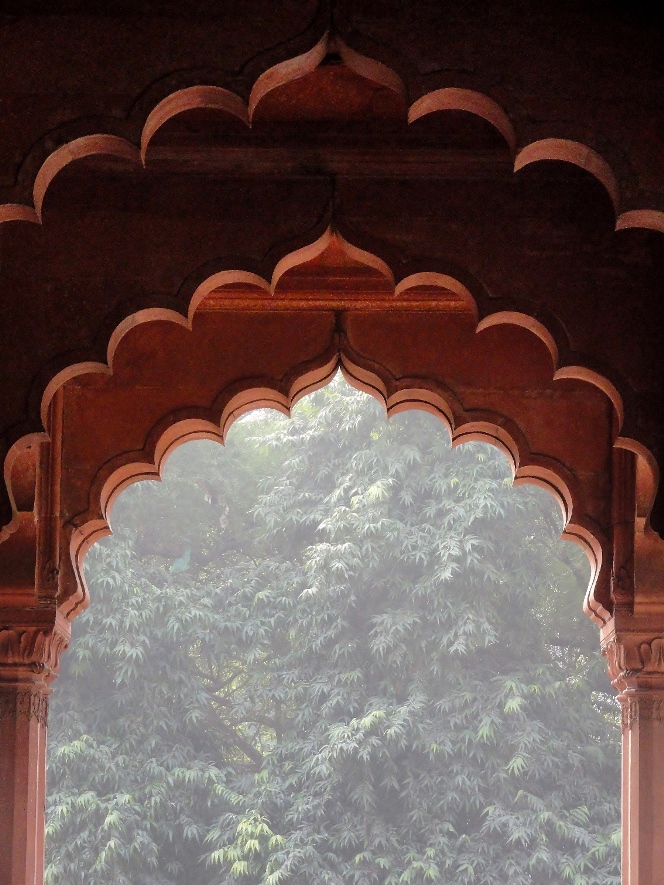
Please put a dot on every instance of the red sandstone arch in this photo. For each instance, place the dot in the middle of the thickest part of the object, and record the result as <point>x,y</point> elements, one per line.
<point>174,430</point>
<point>314,250</point>
<point>217,98</point>
<point>449,98</point>
<point>355,256</point>
<point>606,486</point>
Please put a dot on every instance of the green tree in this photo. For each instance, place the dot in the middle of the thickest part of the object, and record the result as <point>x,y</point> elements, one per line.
<point>360,659</point>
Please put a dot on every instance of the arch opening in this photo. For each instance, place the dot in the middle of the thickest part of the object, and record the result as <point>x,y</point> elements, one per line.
<point>344,514</point>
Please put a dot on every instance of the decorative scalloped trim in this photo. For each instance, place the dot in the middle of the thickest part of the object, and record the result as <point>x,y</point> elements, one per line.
<point>648,219</point>
<point>371,69</point>
<point>18,212</point>
<point>648,481</point>
<point>444,281</point>
<point>502,433</point>
<point>12,454</point>
<point>300,256</point>
<point>581,373</point>
<point>574,152</point>
<point>515,318</point>
<point>171,432</point>
<point>195,97</point>
<point>470,101</point>
<point>397,396</point>
<point>86,146</point>
<point>218,98</point>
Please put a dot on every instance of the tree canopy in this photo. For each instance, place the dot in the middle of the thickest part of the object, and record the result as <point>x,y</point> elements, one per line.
<point>336,651</point>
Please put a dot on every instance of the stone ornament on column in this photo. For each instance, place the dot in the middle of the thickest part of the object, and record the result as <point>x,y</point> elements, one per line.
<point>36,649</point>
<point>636,668</point>
<point>635,661</point>
<point>29,661</point>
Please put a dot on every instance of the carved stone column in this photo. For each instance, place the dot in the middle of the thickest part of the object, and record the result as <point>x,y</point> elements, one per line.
<point>634,649</point>
<point>29,657</point>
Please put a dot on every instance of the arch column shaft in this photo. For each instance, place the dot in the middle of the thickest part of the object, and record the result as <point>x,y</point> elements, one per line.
<point>29,657</point>
<point>643,786</point>
<point>634,649</point>
<point>23,720</point>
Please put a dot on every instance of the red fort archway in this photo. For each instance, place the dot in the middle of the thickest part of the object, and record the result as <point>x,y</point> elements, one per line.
<point>457,223</point>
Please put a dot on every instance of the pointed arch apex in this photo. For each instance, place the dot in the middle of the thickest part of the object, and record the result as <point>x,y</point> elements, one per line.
<point>287,71</point>
<point>300,256</point>
<point>364,257</point>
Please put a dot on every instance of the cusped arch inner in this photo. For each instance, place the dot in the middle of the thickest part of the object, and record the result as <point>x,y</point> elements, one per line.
<point>173,431</point>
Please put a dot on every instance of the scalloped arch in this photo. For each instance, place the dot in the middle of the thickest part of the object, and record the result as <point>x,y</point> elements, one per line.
<point>527,468</point>
<point>313,250</point>
<point>167,435</point>
<point>177,428</point>
<point>450,98</point>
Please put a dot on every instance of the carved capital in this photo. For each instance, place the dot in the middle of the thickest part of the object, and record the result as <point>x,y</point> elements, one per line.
<point>635,661</point>
<point>33,649</point>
